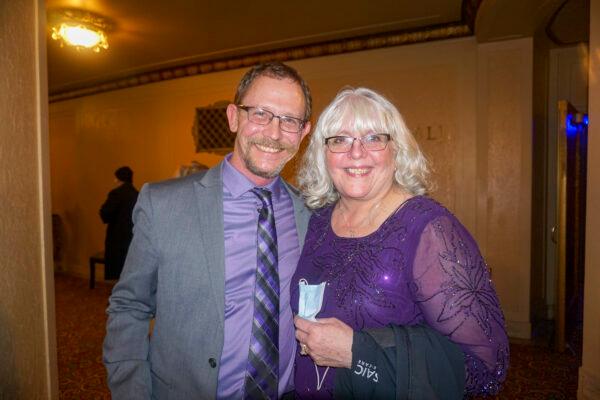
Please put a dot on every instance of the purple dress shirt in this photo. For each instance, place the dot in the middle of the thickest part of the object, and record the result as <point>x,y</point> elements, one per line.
<point>420,266</point>
<point>240,222</point>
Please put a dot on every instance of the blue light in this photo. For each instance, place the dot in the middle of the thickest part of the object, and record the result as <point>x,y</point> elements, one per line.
<point>573,127</point>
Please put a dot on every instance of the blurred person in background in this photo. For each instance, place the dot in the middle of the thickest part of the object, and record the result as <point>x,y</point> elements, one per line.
<point>116,212</point>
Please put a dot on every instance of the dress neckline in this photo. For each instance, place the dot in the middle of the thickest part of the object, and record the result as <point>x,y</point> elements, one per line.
<point>400,207</point>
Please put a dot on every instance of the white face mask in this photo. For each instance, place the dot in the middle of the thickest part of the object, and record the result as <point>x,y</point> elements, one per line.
<point>310,299</point>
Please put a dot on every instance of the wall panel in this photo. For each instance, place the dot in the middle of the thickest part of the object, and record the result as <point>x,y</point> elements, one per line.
<point>504,172</point>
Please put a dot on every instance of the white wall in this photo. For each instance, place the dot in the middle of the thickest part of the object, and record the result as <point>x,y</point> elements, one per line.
<point>504,114</point>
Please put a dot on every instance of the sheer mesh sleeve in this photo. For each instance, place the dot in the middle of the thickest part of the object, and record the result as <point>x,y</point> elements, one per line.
<point>454,291</point>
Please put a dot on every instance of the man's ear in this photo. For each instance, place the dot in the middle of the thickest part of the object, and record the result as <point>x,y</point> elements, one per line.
<point>305,130</point>
<point>232,117</point>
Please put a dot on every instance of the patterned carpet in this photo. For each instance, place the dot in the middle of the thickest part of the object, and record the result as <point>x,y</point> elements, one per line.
<point>535,373</point>
<point>80,324</point>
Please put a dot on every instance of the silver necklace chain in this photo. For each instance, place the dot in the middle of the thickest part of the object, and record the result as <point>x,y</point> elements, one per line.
<point>371,215</point>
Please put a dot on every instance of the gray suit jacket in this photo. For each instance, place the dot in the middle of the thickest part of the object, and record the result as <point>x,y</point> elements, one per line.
<point>174,273</point>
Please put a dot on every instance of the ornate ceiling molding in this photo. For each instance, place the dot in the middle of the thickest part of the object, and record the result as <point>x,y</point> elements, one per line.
<point>371,42</point>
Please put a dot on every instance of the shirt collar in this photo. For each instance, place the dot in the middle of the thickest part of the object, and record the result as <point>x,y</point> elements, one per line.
<point>237,184</point>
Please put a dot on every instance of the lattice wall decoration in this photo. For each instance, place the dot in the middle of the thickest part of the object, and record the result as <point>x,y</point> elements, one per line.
<point>211,130</point>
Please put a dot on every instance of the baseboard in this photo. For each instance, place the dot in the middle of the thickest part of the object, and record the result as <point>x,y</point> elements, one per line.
<point>589,385</point>
<point>518,329</point>
<point>79,271</point>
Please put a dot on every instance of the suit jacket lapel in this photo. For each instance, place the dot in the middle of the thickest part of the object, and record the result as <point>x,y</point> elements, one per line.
<point>301,213</point>
<point>209,193</point>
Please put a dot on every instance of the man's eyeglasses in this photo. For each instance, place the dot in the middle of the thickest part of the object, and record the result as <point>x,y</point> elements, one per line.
<point>261,116</point>
<point>343,144</point>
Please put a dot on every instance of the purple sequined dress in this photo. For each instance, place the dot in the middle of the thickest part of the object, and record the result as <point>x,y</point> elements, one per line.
<point>421,265</point>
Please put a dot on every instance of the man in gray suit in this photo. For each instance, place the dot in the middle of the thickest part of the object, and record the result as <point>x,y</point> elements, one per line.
<point>193,260</point>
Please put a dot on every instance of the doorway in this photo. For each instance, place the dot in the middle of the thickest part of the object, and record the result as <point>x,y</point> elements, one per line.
<point>569,231</point>
<point>562,123</point>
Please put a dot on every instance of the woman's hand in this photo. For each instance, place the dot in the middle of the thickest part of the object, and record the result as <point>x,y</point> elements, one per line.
<point>328,341</point>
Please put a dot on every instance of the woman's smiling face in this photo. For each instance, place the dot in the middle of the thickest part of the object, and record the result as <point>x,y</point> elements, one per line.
<point>360,174</point>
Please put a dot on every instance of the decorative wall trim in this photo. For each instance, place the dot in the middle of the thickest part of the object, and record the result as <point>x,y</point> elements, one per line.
<point>211,129</point>
<point>371,42</point>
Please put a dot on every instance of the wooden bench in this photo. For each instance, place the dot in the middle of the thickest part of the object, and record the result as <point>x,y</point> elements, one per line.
<point>97,258</point>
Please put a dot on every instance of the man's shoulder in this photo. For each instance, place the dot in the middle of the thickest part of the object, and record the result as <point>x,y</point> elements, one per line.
<point>170,188</point>
<point>293,190</point>
<point>176,190</point>
<point>175,184</point>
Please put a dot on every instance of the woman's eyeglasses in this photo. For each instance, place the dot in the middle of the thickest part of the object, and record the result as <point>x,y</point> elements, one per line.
<point>343,144</point>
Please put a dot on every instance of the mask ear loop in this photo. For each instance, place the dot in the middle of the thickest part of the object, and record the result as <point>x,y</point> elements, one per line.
<point>320,380</point>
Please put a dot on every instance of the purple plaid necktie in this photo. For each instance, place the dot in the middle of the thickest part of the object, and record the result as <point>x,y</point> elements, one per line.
<point>262,371</point>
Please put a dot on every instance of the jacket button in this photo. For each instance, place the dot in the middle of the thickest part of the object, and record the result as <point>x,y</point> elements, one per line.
<point>212,362</point>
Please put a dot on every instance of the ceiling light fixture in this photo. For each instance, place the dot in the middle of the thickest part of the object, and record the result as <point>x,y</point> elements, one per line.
<point>80,36</point>
<point>79,28</point>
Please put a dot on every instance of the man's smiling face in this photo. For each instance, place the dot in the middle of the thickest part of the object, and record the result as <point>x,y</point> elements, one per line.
<point>261,151</point>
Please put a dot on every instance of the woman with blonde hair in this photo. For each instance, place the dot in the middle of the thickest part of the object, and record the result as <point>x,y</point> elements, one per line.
<point>380,253</point>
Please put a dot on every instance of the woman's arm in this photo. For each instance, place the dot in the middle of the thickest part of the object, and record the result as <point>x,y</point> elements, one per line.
<point>454,291</point>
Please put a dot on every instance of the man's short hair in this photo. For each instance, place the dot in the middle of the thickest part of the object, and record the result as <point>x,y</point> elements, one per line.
<point>275,70</point>
<point>124,174</point>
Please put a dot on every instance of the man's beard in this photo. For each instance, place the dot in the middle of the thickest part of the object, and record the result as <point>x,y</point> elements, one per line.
<point>263,141</point>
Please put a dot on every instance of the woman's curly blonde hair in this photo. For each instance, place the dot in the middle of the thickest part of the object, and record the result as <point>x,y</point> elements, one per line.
<point>369,112</point>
